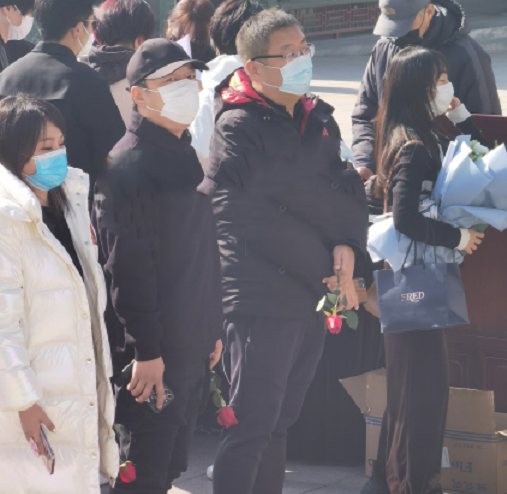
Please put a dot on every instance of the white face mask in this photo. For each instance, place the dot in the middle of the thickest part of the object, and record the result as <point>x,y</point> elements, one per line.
<point>85,49</point>
<point>443,98</point>
<point>21,31</point>
<point>181,101</point>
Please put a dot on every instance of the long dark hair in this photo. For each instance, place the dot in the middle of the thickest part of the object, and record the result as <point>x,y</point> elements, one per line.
<point>22,121</point>
<point>405,113</point>
<point>187,13</point>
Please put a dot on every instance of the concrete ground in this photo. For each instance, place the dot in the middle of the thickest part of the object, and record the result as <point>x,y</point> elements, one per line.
<point>300,478</point>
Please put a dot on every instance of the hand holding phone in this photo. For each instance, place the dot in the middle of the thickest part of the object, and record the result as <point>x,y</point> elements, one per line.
<point>32,421</point>
<point>148,387</point>
<point>46,453</point>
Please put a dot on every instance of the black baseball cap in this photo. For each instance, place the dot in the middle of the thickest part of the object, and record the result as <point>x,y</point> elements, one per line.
<point>157,58</point>
<point>398,16</point>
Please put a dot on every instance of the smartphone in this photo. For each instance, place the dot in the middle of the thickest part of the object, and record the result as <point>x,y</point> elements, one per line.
<point>47,456</point>
<point>360,287</point>
<point>152,399</point>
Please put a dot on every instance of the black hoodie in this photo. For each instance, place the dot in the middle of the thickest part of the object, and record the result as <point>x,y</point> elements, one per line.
<point>109,61</point>
<point>469,70</point>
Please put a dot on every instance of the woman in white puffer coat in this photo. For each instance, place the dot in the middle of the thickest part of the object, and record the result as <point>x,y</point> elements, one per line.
<point>54,353</point>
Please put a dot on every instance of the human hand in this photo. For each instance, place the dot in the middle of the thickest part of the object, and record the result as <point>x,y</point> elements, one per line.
<point>455,103</point>
<point>344,262</point>
<point>145,376</point>
<point>474,242</point>
<point>364,173</point>
<point>31,421</point>
<point>215,356</point>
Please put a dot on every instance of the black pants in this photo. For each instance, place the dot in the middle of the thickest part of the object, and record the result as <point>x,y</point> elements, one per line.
<point>158,444</point>
<point>270,363</point>
<point>412,436</point>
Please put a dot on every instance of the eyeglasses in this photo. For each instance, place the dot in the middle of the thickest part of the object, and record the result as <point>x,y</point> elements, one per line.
<point>308,51</point>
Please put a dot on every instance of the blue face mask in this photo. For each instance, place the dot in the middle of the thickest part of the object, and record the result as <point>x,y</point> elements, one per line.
<point>297,76</point>
<point>51,170</point>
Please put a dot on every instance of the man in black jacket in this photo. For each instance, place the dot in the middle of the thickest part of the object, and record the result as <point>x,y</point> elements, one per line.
<point>440,25</point>
<point>15,24</point>
<point>284,205</point>
<point>158,247</point>
<point>51,71</point>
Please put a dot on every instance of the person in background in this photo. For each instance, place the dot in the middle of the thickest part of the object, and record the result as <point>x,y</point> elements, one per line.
<point>158,248</point>
<point>440,25</point>
<point>409,155</point>
<point>224,28</point>
<point>51,72</point>
<point>121,27</point>
<point>193,17</point>
<point>56,365</point>
<point>17,49</point>
<point>15,23</point>
<point>289,219</point>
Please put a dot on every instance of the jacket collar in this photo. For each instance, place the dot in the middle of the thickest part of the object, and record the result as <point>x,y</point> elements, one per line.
<point>155,135</point>
<point>448,24</point>
<point>54,49</point>
<point>237,90</point>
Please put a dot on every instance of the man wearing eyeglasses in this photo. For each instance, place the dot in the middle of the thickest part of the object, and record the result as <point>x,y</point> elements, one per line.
<point>289,217</point>
<point>51,72</point>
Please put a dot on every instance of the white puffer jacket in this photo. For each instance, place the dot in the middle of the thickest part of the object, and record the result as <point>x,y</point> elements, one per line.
<point>53,345</point>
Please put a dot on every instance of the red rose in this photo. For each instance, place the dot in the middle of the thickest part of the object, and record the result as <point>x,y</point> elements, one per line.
<point>127,472</point>
<point>226,417</point>
<point>334,323</point>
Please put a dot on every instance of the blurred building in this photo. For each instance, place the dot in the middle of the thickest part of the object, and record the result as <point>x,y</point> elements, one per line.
<point>334,17</point>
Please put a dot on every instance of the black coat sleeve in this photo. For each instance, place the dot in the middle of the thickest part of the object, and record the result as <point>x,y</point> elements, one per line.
<point>469,127</point>
<point>363,129</point>
<point>410,171</point>
<point>99,117</point>
<point>127,242</point>
<point>475,83</point>
<point>230,149</point>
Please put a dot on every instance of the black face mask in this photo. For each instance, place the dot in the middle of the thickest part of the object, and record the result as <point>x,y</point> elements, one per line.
<point>410,39</point>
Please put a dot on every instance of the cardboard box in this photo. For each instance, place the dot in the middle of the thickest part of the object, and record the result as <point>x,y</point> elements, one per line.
<point>369,392</point>
<point>474,458</point>
<point>476,440</point>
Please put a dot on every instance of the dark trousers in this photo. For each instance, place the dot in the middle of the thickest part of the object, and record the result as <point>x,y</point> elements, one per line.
<point>412,436</point>
<point>159,444</point>
<point>270,363</point>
